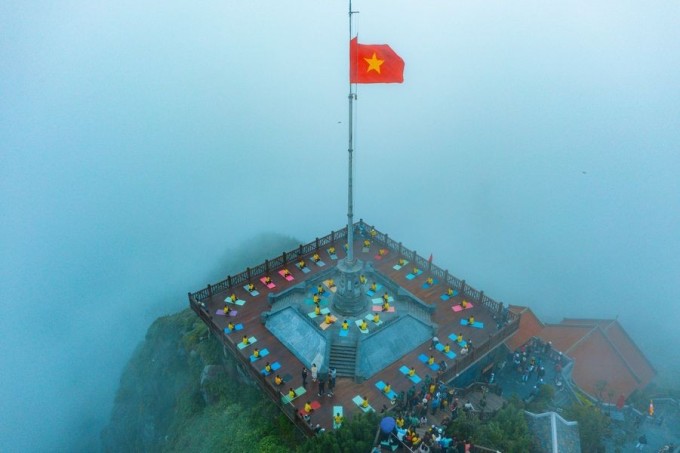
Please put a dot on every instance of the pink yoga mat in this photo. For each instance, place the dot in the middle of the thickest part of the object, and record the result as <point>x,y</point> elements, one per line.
<point>458,308</point>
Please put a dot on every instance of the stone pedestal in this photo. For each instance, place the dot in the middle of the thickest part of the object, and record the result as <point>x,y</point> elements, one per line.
<point>349,298</point>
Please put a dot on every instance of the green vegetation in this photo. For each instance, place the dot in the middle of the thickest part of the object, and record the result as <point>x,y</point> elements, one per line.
<point>356,434</point>
<point>180,393</point>
<point>506,431</point>
<point>162,405</point>
<point>594,426</point>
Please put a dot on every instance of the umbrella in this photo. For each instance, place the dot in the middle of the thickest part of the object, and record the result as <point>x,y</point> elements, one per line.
<point>387,424</point>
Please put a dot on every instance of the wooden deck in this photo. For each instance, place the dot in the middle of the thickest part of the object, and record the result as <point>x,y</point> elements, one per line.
<point>249,315</point>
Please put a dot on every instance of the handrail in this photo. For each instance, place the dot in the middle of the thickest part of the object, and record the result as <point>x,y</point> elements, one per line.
<point>288,409</point>
<point>377,236</point>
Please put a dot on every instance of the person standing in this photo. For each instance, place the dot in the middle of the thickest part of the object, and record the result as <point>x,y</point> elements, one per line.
<point>322,386</point>
<point>331,381</point>
<point>304,377</point>
<point>314,372</point>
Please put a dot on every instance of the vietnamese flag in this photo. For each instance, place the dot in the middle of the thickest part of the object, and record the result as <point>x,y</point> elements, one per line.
<point>374,63</point>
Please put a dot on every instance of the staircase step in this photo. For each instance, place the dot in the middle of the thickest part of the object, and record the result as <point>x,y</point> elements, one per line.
<point>343,358</point>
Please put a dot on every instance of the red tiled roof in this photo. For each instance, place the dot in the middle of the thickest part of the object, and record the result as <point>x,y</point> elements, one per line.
<point>601,349</point>
<point>529,326</point>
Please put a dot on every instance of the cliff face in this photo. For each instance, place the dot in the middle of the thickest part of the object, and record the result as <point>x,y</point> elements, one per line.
<point>179,392</point>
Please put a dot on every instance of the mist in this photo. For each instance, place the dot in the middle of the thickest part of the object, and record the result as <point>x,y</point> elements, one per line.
<point>147,150</point>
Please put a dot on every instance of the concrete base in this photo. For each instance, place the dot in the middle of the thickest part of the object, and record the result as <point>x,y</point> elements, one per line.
<point>349,299</point>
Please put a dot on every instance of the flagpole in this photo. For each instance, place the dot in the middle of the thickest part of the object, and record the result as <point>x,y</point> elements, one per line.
<point>350,196</point>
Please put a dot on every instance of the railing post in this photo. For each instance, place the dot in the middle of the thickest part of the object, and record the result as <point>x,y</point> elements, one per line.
<point>332,236</point>
<point>481,297</point>
<point>387,240</point>
<point>400,248</point>
<point>462,288</point>
<point>317,244</point>
<point>210,290</point>
<point>284,258</point>
<point>248,273</point>
<point>229,281</point>
<point>266,266</point>
<point>300,250</point>
<point>413,258</point>
<point>446,276</point>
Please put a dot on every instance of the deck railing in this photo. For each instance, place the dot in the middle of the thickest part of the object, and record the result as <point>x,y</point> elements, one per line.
<point>478,351</point>
<point>245,365</point>
<point>416,260</point>
<point>508,321</point>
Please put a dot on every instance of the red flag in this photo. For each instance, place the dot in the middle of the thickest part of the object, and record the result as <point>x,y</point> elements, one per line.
<point>374,63</point>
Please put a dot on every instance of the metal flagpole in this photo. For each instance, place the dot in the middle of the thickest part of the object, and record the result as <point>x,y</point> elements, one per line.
<point>350,200</point>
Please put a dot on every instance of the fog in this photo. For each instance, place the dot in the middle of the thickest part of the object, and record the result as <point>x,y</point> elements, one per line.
<point>533,149</point>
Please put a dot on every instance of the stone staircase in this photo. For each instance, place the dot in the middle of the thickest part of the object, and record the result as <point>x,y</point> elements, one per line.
<point>418,312</point>
<point>343,357</point>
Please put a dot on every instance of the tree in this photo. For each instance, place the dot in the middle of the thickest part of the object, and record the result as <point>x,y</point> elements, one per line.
<point>506,431</point>
<point>356,434</point>
<point>593,426</point>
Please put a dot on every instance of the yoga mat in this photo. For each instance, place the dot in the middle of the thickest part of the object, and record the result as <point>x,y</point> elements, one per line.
<point>398,266</point>
<point>325,326</point>
<point>476,324</point>
<point>404,369</point>
<point>275,366</point>
<point>445,297</point>
<point>344,333</point>
<point>320,263</point>
<point>427,285</point>
<point>289,278</point>
<point>379,308</point>
<point>270,286</point>
<point>327,285</point>
<point>358,323</point>
<point>251,340</point>
<point>440,347</point>
<point>459,308</point>
<point>337,410</point>
<point>253,293</point>
<point>381,386</point>
<point>238,326</point>
<point>263,353</point>
<point>358,400</point>
<point>305,270</point>
<point>370,318</point>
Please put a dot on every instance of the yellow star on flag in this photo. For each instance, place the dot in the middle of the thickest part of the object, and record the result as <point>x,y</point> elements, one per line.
<point>374,63</point>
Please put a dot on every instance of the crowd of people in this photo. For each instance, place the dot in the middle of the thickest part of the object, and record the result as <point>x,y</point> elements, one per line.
<point>414,407</point>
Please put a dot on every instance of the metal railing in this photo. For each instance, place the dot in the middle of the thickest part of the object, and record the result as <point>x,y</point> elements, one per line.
<point>379,237</point>
<point>244,364</point>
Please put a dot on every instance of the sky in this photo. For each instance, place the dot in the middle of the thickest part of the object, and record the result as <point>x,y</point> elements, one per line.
<point>533,149</point>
